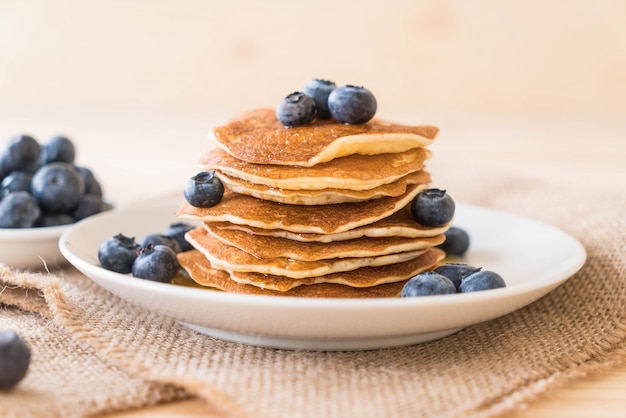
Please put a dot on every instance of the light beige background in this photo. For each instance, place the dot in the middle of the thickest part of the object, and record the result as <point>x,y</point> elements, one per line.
<point>536,87</point>
<point>137,84</point>
<point>540,57</point>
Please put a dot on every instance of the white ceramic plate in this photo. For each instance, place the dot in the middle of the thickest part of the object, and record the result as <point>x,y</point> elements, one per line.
<point>31,247</point>
<point>532,257</point>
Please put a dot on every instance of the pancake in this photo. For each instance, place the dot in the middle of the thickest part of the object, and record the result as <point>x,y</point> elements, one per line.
<point>200,270</point>
<point>400,224</point>
<point>273,247</point>
<point>230,258</point>
<point>354,172</point>
<point>363,277</point>
<point>321,210</point>
<point>258,137</point>
<point>323,219</point>
<point>324,196</point>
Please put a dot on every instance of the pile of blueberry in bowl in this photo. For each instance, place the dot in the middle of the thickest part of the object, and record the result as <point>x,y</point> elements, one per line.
<point>42,190</point>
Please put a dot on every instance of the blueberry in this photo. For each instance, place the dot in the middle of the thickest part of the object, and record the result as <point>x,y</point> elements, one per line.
<point>457,241</point>
<point>54,219</point>
<point>22,153</point>
<point>58,149</point>
<point>319,90</point>
<point>426,284</point>
<point>14,359</point>
<point>161,239</point>
<point>92,186</point>
<point>177,231</point>
<point>157,263</point>
<point>204,190</point>
<point>296,109</point>
<point>456,272</point>
<point>118,253</point>
<point>352,104</point>
<point>433,207</point>
<point>18,210</point>
<point>58,187</point>
<point>481,280</point>
<point>16,181</point>
<point>88,205</point>
<point>4,167</point>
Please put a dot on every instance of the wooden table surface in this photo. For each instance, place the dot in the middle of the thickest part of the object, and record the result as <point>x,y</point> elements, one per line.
<point>601,395</point>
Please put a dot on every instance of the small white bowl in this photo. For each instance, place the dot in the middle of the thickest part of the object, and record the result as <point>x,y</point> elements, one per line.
<point>31,248</point>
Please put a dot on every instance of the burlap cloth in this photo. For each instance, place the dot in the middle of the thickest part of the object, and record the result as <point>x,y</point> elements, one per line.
<point>95,353</point>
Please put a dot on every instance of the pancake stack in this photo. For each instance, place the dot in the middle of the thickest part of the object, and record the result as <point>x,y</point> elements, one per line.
<point>314,211</point>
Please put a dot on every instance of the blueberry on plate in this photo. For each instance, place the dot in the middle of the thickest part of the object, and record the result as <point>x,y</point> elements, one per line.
<point>481,280</point>
<point>433,207</point>
<point>58,149</point>
<point>296,109</point>
<point>204,190</point>
<point>161,239</point>
<point>319,90</point>
<point>352,104</point>
<point>427,284</point>
<point>58,187</point>
<point>177,231</point>
<point>457,241</point>
<point>18,210</point>
<point>14,359</point>
<point>118,253</point>
<point>157,263</point>
<point>456,272</point>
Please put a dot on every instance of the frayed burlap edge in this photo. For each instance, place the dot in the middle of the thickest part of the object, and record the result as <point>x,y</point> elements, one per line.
<point>41,293</point>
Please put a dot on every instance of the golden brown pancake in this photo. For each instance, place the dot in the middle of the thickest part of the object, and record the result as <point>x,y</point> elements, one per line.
<point>323,219</point>
<point>230,258</point>
<point>200,270</point>
<point>400,224</point>
<point>272,247</point>
<point>354,172</point>
<point>321,210</point>
<point>258,137</point>
<point>360,278</point>
<point>323,196</point>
